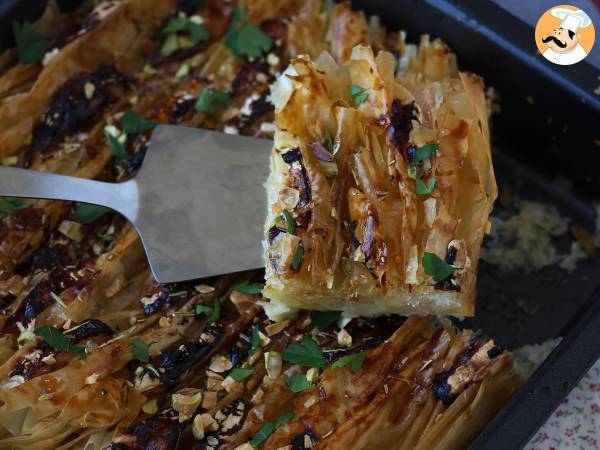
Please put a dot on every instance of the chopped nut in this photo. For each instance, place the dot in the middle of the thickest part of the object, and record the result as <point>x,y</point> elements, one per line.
<point>115,287</point>
<point>50,359</point>
<point>344,338</point>
<point>204,288</point>
<point>245,446</point>
<point>209,400</point>
<point>214,384</point>
<point>164,322</point>
<point>267,382</point>
<point>273,364</point>
<point>203,422</point>
<point>89,89</point>
<point>186,401</point>
<point>230,385</point>
<point>220,364</point>
<point>151,406</point>
<point>255,357</point>
<point>312,375</point>
<point>26,334</point>
<point>276,327</point>
<point>257,397</point>
<point>10,161</point>
<point>241,300</point>
<point>310,401</point>
<point>92,378</point>
<point>211,374</point>
<point>264,340</point>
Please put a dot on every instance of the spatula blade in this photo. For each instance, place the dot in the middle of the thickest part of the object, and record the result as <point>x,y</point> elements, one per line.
<point>202,202</point>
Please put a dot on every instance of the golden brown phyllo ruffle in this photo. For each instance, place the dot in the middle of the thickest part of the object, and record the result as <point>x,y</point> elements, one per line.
<point>381,184</point>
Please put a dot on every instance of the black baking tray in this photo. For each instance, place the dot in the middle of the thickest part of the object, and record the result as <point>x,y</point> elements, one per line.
<point>548,128</point>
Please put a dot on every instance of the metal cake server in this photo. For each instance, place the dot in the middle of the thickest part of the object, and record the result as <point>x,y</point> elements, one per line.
<point>198,201</point>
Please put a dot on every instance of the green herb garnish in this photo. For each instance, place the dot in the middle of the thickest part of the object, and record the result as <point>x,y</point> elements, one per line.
<point>246,39</point>
<point>268,428</point>
<point>88,213</point>
<point>423,153</point>
<point>254,340</point>
<point>324,319</point>
<point>212,99</point>
<point>356,362</point>
<point>436,267</point>
<point>140,350</point>
<point>117,148</point>
<point>175,25</point>
<point>297,258</point>
<point>240,374</point>
<point>425,189</point>
<point>297,382</point>
<point>249,288</point>
<point>11,204</point>
<point>305,353</point>
<point>134,123</point>
<point>57,340</point>
<point>31,45</point>
<point>358,94</point>
<point>212,313</point>
<point>291,222</point>
<point>329,141</point>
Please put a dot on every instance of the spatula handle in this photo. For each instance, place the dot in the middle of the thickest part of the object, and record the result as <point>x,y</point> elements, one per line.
<point>122,197</point>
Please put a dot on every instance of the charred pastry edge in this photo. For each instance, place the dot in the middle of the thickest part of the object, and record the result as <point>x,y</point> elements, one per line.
<point>444,390</point>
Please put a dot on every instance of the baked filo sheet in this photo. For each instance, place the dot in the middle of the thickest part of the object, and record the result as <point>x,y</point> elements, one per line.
<point>95,354</point>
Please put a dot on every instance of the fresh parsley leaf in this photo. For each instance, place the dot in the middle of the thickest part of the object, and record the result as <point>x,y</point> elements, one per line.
<point>324,319</point>
<point>283,419</point>
<point>358,94</point>
<point>212,313</point>
<point>57,340</point>
<point>329,141</point>
<point>422,189</point>
<point>423,153</point>
<point>31,45</point>
<point>297,258</point>
<point>173,42</point>
<point>212,99</point>
<point>291,222</point>
<point>249,288</point>
<point>240,374</point>
<point>254,340</point>
<point>356,361</point>
<point>268,428</point>
<point>436,267</point>
<point>262,434</point>
<point>140,350</point>
<point>88,213</point>
<point>252,41</point>
<point>11,204</point>
<point>297,382</point>
<point>305,353</point>
<point>246,39</point>
<point>170,45</point>
<point>117,148</point>
<point>230,39</point>
<point>134,123</point>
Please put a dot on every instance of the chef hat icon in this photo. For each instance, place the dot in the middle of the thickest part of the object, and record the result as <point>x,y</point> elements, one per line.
<point>571,19</point>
